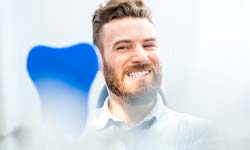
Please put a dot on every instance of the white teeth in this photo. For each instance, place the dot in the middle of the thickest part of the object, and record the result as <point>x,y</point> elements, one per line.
<point>138,74</point>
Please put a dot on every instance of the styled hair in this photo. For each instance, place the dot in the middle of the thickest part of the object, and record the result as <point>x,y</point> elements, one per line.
<point>117,9</point>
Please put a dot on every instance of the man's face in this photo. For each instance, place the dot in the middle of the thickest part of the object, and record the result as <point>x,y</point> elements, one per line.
<point>131,65</point>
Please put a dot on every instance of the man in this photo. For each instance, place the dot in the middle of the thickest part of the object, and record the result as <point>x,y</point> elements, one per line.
<point>133,116</point>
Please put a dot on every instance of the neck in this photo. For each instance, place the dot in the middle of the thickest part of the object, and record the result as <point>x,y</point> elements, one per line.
<point>131,114</point>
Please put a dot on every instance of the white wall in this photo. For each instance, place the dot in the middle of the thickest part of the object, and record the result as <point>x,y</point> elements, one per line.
<point>205,49</point>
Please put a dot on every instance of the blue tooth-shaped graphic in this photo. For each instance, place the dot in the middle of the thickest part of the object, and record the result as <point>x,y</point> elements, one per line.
<point>63,77</point>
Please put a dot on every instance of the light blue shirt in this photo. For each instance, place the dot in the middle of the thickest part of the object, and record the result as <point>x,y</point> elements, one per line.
<point>161,129</point>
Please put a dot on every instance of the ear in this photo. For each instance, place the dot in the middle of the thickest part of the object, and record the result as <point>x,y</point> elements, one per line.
<point>101,66</point>
<point>100,58</point>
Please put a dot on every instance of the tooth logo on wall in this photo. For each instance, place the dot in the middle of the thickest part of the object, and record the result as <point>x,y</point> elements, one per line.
<point>63,77</point>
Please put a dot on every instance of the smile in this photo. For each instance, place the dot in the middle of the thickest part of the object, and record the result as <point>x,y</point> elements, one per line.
<point>138,74</point>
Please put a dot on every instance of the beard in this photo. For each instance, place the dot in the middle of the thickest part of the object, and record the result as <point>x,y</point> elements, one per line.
<point>144,93</point>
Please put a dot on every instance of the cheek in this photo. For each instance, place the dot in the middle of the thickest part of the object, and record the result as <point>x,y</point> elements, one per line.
<point>119,68</point>
<point>119,73</point>
<point>154,57</point>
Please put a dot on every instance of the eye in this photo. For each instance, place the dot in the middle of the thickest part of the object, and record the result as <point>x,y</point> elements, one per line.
<point>150,46</point>
<point>126,47</point>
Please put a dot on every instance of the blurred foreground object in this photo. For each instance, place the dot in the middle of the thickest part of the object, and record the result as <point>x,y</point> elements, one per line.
<point>63,77</point>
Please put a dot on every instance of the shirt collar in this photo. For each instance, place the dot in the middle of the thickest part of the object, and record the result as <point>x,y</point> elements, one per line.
<point>105,117</point>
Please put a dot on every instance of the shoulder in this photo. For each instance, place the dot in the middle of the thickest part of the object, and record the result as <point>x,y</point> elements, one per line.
<point>186,122</point>
<point>173,117</point>
<point>197,132</point>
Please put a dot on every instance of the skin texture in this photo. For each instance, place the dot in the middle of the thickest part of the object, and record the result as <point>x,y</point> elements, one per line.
<point>131,67</point>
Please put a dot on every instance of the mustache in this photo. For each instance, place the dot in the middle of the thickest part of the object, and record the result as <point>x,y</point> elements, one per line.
<point>146,66</point>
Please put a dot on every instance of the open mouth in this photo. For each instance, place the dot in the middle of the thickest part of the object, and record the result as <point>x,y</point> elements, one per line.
<point>137,74</point>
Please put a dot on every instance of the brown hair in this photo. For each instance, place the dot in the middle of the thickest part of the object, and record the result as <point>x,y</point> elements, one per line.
<point>117,9</point>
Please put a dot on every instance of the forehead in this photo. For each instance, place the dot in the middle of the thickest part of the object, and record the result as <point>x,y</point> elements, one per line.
<point>128,29</point>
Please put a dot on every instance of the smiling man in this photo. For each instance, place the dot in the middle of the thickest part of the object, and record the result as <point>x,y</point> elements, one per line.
<point>133,116</point>
<point>131,67</point>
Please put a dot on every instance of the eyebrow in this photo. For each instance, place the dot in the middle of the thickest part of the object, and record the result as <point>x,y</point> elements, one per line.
<point>122,41</point>
<point>149,39</point>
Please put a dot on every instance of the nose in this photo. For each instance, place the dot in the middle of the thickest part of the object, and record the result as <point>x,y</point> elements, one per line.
<point>140,56</point>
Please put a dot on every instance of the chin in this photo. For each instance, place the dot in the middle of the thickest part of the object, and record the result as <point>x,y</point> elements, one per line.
<point>142,94</point>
